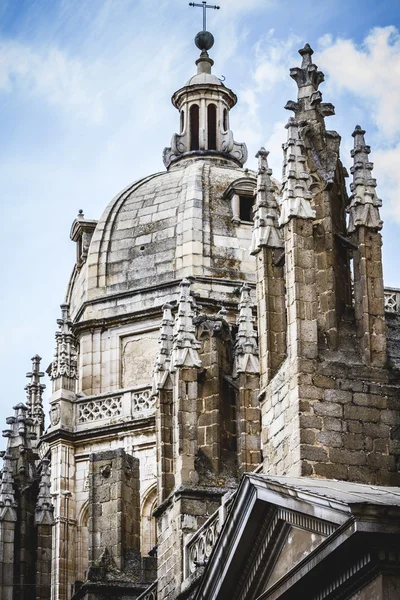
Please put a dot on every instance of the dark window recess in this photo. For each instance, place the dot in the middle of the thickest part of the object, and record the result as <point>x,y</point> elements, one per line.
<point>225,120</point>
<point>212,126</point>
<point>182,121</point>
<point>246,208</point>
<point>194,127</point>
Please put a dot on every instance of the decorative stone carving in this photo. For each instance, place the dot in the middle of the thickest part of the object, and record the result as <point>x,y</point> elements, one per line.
<point>163,360</point>
<point>364,202</point>
<point>8,504</point>
<point>265,230</point>
<point>96,410</point>
<point>246,348</point>
<point>143,402</point>
<point>34,395</point>
<point>392,300</point>
<point>65,358</point>
<point>44,506</point>
<point>296,196</point>
<point>55,414</point>
<point>185,346</point>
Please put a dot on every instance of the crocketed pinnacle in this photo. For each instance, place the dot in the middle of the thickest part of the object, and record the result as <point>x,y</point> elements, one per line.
<point>19,436</point>
<point>308,79</point>
<point>185,346</point>
<point>246,348</point>
<point>296,196</point>
<point>44,506</point>
<point>265,228</point>
<point>8,504</point>
<point>34,395</point>
<point>163,361</point>
<point>65,357</point>
<point>364,203</point>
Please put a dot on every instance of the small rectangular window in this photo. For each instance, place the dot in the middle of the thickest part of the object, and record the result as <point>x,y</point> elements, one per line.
<point>246,208</point>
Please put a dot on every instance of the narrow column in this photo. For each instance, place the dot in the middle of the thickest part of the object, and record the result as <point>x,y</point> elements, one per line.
<point>268,248</point>
<point>44,521</point>
<point>246,370</point>
<point>8,518</point>
<point>364,226</point>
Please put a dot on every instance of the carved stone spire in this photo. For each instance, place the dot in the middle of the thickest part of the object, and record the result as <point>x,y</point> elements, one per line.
<point>8,504</point>
<point>34,395</point>
<point>185,346</point>
<point>364,203</point>
<point>44,506</point>
<point>296,194</point>
<point>19,445</point>
<point>64,366</point>
<point>308,79</point>
<point>246,348</point>
<point>163,361</point>
<point>265,230</point>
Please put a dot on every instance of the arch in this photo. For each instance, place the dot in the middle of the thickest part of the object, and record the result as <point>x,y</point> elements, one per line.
<point>82,542</point>
<point>212,127</point>
<point>194,127</point>
<point>148,531</point>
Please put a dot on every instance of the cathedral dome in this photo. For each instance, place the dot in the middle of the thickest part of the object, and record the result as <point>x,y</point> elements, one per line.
<point>167,226</point>
<point>193,220</point>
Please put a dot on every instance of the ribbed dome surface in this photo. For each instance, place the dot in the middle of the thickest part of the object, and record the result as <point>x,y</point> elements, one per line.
<point>165,227</point>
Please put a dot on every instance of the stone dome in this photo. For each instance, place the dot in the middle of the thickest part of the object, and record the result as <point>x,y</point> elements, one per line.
<point>162,228</point>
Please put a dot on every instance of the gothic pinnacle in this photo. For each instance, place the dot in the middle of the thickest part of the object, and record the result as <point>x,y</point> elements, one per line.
<point>265,229</point>
<point>364,202</point>
<point>163,360</point>
<point>44,506</point>
<point>8,504</point>
<point>65,357</point>
<point>185,346</point>
<point>34,395</point>
<point>246,348</point>
<point>296,195</point>
<point>308,79</point>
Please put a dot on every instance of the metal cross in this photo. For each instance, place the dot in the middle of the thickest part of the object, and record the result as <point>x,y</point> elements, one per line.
<point>204,6</point>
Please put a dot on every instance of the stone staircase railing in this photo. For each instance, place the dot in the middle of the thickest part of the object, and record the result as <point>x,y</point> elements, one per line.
<point>150,593</point>
<point>199,546</point>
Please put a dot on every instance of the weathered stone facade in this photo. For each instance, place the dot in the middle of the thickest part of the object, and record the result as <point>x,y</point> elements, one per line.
<point>165,394</point>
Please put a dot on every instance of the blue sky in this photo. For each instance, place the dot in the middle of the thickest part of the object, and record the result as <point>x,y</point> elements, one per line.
<point>85,89</point>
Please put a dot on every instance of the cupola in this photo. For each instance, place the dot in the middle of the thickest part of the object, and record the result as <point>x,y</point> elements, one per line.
<point>204,104</point>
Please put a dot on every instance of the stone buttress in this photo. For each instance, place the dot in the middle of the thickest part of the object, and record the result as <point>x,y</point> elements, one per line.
<point>331,408</point>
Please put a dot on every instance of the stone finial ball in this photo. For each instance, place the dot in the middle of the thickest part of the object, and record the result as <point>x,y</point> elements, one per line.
<point>204,40</point>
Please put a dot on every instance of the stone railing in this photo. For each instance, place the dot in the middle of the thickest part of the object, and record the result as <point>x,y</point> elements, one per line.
<point>392,300</point>
<point>120,406</point>
<point>199,546</point>
<point>150,593</point>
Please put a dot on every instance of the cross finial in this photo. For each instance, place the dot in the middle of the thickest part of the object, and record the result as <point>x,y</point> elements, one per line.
<point>204,6</point>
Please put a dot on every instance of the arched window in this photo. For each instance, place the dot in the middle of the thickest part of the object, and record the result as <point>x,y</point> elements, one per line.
<point>225,120</point>
<point>212,126</point>
<point>182,121</point>
<point>147,522</point>
<point>194,127</point>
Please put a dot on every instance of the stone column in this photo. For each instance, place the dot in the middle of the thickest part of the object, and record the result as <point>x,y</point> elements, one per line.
<point>8,518</point>
<point>44,521</point>
<point>268,248</point>
<point>246,371</point>
<point>364,226</point>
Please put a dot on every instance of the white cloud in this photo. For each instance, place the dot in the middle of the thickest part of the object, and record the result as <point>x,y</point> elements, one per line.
<point>50,74</point>
<point>371,72</point>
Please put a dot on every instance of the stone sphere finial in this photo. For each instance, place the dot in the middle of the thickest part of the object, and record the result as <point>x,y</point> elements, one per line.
<point>204,40</point>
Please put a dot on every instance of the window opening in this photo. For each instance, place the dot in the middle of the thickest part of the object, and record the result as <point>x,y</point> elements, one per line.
<point>246,208</point>
<point>182,121</point>
<point>212,126</point>
<point>225,120</point>
<point>194,127</point>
